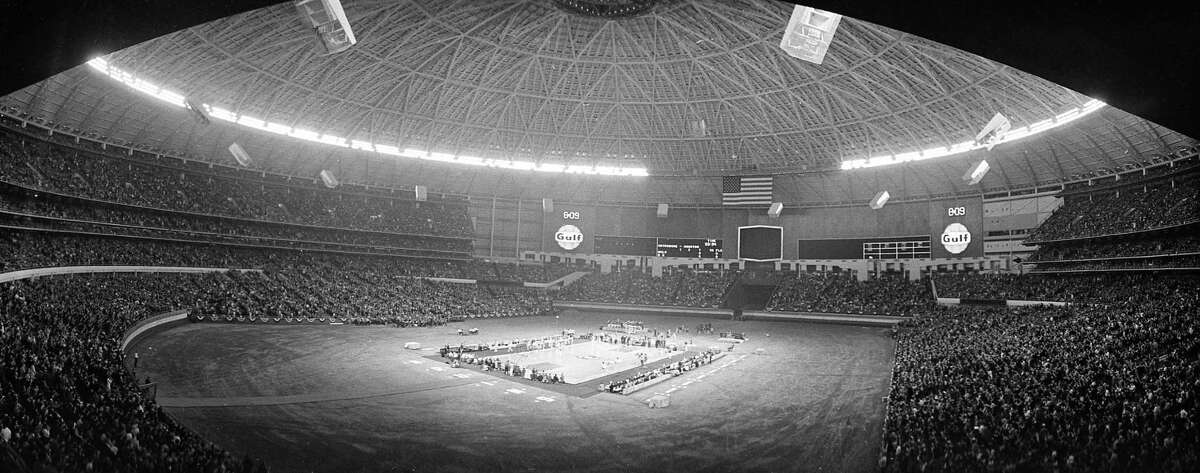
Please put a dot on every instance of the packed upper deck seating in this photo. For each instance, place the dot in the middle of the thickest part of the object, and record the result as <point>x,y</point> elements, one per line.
<point>93,174</point>
<point>28,249</point>
<point>1155,245</point>
<point>1080,287</point>
<point>21,208</point>
<point>1164,202</point>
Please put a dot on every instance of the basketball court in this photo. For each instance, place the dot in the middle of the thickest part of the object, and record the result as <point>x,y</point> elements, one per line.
<point>588,360</point>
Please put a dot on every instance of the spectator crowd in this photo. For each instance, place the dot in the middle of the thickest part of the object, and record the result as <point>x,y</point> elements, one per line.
<point>1109,386</point>
<point>27,249</point>
<point>171,185</point>
<point>66,402</point>
<point>684,288</point>
<point>360,297</point>
<point>1140,246</point>
<point>1082,288</point>
<point>1166,201</point>
<point>843,293</point>
<point>66,213</point>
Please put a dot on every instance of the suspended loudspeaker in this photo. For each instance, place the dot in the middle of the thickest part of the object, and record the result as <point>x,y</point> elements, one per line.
<point>328,179</point>
<point>239,154</point>
<point>880,199</point>
<point>976,173</point>
<point>775,209</point>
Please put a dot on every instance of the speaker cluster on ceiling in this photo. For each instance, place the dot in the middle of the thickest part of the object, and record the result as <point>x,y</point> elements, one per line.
<point>880,199</point>
<point>976,172</point>
<point>240,155</point>
<point>775,209</point>
<point>328,179</point>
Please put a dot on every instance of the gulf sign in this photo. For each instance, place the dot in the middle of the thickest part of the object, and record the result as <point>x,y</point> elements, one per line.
<point>956,228</point>
<point>956,238</point>
<point>568,237</point>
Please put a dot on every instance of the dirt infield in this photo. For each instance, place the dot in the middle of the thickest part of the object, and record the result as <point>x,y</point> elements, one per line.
<point>352,399</point>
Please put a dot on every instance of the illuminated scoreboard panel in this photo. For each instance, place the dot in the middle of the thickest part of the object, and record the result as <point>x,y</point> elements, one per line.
<point>897,249</point>
<point>626,246</point>
<point>689,248</point>
<point>664,247</point>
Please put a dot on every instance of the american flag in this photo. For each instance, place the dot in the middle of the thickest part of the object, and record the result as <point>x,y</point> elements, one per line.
<point>747,190</point>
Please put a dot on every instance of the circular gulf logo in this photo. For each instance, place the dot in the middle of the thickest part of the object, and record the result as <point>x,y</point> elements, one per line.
<point>956,238</point>
<point>568,237</point>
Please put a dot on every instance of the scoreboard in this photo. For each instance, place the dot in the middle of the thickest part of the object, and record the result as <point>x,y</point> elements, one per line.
<point>664,247</point>
<point>956,228</point>
<point>689,248</point>
<point>628,246</point>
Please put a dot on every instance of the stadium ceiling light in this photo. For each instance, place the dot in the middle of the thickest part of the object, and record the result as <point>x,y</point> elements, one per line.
<point>221,113</point>
<point>1012,135</point>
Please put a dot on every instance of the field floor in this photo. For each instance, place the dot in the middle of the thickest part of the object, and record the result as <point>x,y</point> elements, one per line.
<point>352,399</point>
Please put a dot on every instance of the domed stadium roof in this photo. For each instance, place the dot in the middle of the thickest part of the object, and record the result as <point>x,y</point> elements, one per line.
<point>681,88</point>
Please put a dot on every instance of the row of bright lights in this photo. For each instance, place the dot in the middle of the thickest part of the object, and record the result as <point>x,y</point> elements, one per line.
<point>178,100</point>
<point>1012,135</point>
<point>220,113</point>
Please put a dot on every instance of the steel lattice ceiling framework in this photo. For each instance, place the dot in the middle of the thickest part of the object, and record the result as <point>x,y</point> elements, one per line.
<point>525,79</point>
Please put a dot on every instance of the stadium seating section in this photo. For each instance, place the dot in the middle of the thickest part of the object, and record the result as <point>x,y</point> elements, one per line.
<point>1105,386</point>
<point>1144,223</point>
<point>1167,201</point>
<point>99,188</point>
<point>360,297</point>
<point>685,288</point>
<point>842,293</point>
<point>66,402</point>
<point>28,249</point>
<point>803,292</point>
